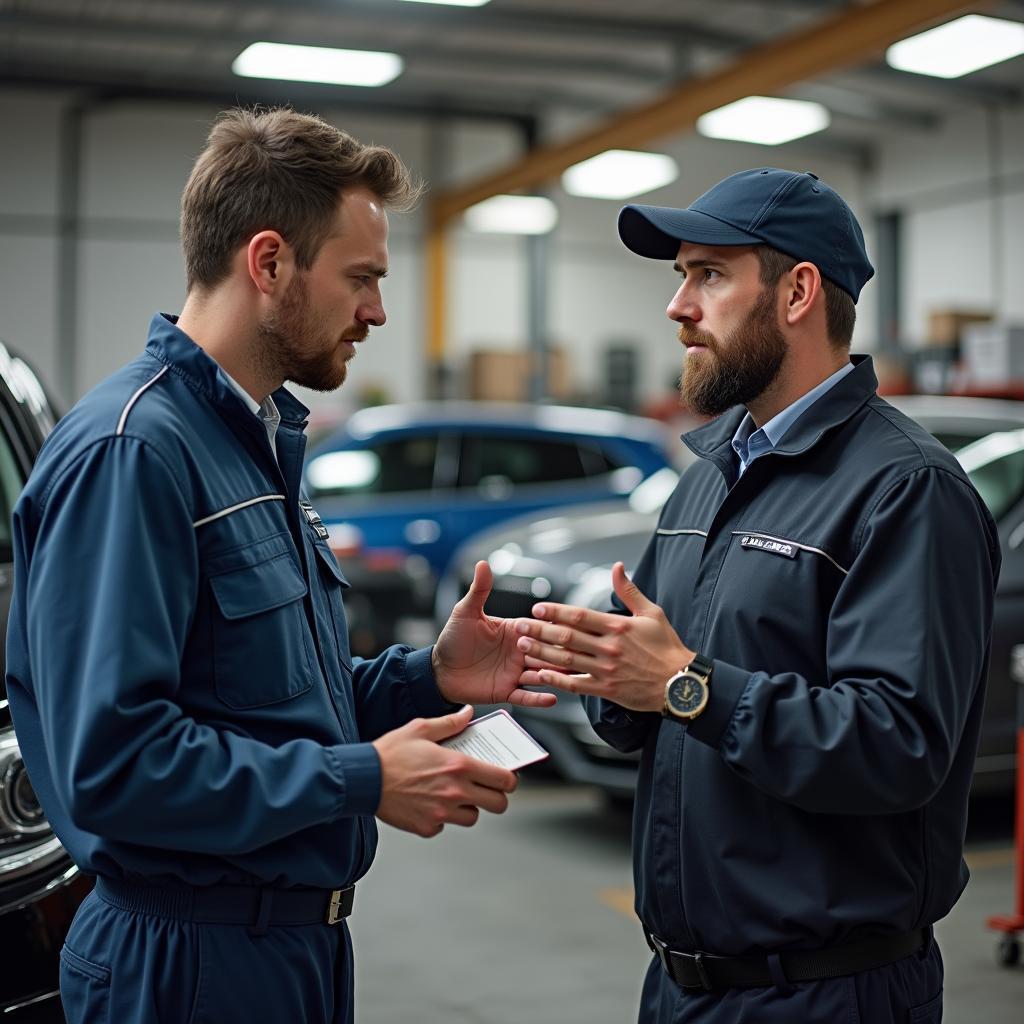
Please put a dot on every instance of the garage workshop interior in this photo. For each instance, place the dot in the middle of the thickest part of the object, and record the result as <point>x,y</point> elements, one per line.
<point>545,353</point>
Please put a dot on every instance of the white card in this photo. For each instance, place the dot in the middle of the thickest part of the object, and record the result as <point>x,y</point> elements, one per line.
<point>498,739</point>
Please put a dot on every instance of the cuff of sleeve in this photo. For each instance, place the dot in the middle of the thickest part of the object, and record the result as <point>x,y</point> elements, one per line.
<point>727,686</point>
<point>358,769</point>
<point>422,686</point>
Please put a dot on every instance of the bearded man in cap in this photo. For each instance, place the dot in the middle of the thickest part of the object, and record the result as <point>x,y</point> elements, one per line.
<point>802,651</point>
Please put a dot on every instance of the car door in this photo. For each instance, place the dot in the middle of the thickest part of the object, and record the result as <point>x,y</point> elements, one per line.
<point>504,474</point>
<point>996,467</point>
<point>393,489</point>
<point>996,757</point>
<point>40,889</point>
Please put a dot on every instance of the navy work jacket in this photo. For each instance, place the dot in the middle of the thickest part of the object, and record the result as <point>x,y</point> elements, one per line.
<point>178,663</point>
<point>843,587</point>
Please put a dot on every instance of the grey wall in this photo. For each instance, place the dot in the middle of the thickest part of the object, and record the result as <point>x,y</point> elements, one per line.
<point>959,189</point>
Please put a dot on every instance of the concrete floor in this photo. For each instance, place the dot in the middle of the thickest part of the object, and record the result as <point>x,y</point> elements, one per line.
<point>528,918</point>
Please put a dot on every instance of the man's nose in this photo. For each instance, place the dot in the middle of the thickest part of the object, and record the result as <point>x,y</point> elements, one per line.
<point>683,307</point>
<point>372,314</point>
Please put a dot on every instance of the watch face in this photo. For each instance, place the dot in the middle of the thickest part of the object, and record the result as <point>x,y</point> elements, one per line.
<point>686,695</point>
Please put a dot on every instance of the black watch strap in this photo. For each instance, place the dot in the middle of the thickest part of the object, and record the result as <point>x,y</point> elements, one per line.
<point>701,664</point>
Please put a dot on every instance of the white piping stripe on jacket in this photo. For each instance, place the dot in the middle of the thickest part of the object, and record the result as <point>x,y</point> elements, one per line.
<point>234,508</point>
<point>802,547</point>
<point>678,533</point>
<point>131,401</point>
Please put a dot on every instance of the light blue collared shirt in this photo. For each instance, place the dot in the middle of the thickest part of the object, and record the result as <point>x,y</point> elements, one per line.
<point>750,444</point>
<point>265,411</point>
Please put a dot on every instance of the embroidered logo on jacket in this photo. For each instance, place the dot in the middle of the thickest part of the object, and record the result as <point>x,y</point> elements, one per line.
<point>313,518</point>
<point>773,547</point>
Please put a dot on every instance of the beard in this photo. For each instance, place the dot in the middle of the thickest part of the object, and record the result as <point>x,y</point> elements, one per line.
<point>739,369</point>
<point>297,345</point>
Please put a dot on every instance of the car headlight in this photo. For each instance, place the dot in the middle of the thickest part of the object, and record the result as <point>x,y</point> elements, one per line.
<point>21,815</point>
<point>32,860</point>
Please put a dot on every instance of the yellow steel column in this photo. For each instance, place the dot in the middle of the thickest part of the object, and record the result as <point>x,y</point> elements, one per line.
<point>436,293</point>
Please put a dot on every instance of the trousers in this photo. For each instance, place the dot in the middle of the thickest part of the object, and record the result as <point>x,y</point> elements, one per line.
<point>907,991</point>
<point>126,967</point>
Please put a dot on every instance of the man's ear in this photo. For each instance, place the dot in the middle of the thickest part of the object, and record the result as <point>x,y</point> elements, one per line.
<point>802,286</point>
<point>270,262</point>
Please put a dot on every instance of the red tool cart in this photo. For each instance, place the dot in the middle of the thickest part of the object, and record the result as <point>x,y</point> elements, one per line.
<point>1012,925</point>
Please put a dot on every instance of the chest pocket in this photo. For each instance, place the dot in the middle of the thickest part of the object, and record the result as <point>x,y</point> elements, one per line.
<point>260,636</point>
<point>773,585</point>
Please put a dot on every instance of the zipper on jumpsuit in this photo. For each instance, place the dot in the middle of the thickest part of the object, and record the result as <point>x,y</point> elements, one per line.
<point>297,526</point>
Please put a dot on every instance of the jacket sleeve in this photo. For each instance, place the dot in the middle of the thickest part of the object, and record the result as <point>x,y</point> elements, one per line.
<point>619,727</point>
<point>110,593</point>
<point>907,651</point>
<point>394,688</point>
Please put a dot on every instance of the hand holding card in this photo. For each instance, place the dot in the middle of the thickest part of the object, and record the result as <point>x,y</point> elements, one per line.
<point>498,739</point>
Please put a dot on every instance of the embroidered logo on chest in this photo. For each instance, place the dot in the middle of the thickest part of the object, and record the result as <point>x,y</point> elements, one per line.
<point>772,547</point>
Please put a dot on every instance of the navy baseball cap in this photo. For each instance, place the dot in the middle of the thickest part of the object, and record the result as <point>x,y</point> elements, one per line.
<point>798,214</point>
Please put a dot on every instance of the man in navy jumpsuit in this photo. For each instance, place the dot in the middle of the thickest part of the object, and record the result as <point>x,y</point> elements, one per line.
<point>804,645</point>
<point>178,665</point>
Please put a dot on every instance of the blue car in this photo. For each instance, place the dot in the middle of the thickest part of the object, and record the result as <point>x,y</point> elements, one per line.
<point>399,488</point>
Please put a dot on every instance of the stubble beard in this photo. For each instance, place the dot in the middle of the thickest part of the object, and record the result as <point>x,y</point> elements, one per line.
<point>738,370</point>
<point>294,345</point>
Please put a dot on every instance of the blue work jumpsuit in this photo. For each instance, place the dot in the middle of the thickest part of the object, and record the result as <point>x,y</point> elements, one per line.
<point>843,587</point>
<point>182,689</point>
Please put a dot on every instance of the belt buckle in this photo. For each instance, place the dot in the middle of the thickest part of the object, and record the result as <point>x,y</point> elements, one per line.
<point>702,971</point>
<point>339,907</point>
<point>660,948</point>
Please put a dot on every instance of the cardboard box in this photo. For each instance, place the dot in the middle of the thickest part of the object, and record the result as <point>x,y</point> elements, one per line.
<point>993,354</point>
<point>945,326</point>
<point>504,375</point>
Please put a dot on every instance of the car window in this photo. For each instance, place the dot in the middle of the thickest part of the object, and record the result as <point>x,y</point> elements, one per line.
<point>11,482</point>
<point>518,460</point>
<point>406,464</point>
<point>1000,482</point>
<point>596,461</point>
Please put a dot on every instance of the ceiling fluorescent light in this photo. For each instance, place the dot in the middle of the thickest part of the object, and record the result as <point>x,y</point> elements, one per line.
<point>765,120</point>
<point>619,174</point>
<point>958,47</point>
<point>317,64</point>
<point>513,215</point>
<point>453,3</point>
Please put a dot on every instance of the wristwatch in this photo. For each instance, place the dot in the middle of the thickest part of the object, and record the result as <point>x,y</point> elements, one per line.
<point>686,693</point>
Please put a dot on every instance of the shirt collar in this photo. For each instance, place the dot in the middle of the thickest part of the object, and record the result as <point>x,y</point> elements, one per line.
<point>254,406</point>
<point>750,442</point>
<point>173,347</point>
<point>713,440</point>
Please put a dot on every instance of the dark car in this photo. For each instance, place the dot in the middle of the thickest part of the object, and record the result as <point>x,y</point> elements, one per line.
<point>40,888</point>
<point>400,487</point>
<point>567,555</point>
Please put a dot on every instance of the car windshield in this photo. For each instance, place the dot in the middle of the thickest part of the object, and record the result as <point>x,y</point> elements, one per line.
<point>995,465</point>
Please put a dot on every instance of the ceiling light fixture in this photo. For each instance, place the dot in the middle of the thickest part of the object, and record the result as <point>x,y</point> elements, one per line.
<point>513,215</point>
<point>958,47</point>
<point>619,174</point>
<point>291,63</point>
<point>764,120</point>
<point>453,3</point>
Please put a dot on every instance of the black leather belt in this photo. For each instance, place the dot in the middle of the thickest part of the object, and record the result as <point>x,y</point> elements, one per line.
<point>230,904</point>
<point>707,971</point>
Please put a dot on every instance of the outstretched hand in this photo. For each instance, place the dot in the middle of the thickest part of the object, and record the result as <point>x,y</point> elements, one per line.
<point>625,659</point>
<point>476,660</point>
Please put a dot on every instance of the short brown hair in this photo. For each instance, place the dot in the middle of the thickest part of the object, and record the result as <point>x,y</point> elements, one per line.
<point>840,310</point>
<point>277,169</point>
